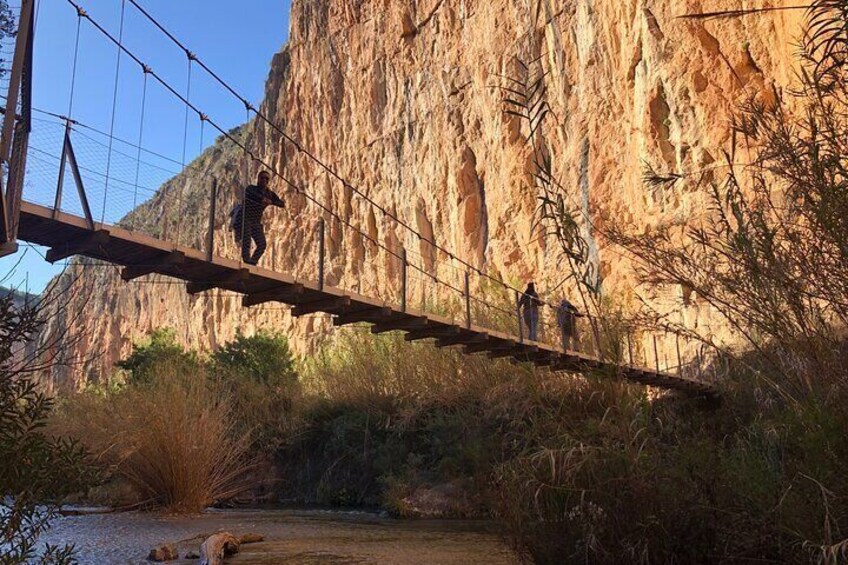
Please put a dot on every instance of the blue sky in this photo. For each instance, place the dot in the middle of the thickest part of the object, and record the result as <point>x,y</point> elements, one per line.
<point>235,39</point>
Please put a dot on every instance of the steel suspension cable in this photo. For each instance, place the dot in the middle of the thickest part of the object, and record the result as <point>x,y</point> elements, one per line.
<point>188,97</point>
<point>289,182</point>
<point>226,134</point>
<point>80,13</point>
<point>300,148</point>
<point>140,138</point>
<point>114,108</point>
<point>329,170</point>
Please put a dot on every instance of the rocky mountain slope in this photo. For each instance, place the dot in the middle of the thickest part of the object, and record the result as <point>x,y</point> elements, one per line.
<point>402,99</point>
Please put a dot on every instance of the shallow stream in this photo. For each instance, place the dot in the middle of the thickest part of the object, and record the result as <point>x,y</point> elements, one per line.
<point>291,536</point>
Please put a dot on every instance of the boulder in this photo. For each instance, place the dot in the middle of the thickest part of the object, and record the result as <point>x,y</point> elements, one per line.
<point>165,552</point>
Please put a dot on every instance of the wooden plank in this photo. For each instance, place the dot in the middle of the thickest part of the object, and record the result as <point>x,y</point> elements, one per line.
<point>373,314</point>
<point>288,293</point>
<point>570,364</point>
<point>431,332</point>
<point>402,322</point>
<point>464,338</point>
<point>157,265</point>
<point>8,247</point>
<point>330,305</point>
<point>78,246</point>
<point>228,280</point>
<point>546,359</point>
<point>519,350</point>
<point>490,345</point>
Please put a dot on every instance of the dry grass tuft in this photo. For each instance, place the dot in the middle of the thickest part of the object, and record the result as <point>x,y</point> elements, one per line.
<point>173,440</point>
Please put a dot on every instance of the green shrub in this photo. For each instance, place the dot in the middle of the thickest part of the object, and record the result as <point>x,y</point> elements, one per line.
<point>380,412</point>
<point>264,358</point>
<point>259,372</point>
<point>159,347</point>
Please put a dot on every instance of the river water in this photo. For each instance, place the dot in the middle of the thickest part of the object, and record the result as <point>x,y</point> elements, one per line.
<point>291,536</point>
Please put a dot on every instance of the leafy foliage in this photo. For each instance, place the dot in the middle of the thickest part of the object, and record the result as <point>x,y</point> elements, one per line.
<point>264,358</point>
<point>36,470</point>
<point>525,97</point>
<point>771,253</point>
<point>159,348</point>
<point>826,44</point>
<point>259,371</point>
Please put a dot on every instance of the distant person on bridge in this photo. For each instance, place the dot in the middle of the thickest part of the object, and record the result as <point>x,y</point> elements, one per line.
<point>247,220</point>
<point>529,304</point>
<point>567,315</point>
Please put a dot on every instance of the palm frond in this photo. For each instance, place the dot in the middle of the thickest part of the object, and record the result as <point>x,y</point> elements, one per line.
<point>655,179</point>
<point>825,42</point>
<point>721,14</point>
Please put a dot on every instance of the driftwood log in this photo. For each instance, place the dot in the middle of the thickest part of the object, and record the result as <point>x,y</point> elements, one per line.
<point>218,546</point>
<point>221,545</point>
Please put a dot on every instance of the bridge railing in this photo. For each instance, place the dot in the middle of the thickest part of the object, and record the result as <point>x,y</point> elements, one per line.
<point>116,182</point>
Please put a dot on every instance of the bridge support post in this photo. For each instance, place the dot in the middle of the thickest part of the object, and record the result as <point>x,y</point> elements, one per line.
<point>656,354</point>
<point>321,230</point>
<point>677,345</point>
<point>57,203</point>
<point>69,156</point>
<point>467,300</point>
<point>403,272</point>
<point>518,316</point>
<point>210,235</point>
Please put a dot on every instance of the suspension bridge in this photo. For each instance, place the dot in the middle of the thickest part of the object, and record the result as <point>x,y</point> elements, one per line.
<point>56,167</point>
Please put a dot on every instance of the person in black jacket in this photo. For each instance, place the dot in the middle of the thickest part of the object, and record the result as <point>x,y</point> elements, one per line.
<point>257,197</point>
<point>529,304</point>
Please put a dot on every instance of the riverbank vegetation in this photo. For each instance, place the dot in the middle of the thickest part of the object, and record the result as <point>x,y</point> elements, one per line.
<point>572,469</point>
<point>37,469</point>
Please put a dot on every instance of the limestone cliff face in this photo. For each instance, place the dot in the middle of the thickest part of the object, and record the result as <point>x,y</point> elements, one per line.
<point>401,99</point>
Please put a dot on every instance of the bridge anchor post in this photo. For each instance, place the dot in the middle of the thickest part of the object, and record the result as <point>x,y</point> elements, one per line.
<point>321,229</point>
<point>677,345</point>
<point>656,354</point>
<point>210,235</point>
<point>467,300</point>
<point>403,268</point>
<point>57,203</point>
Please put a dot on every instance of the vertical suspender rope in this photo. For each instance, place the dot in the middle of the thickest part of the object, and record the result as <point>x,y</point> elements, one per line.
<point>68,120</point>
<point>244,190</point>
<point>244,209</point>
<point>114,108</point>
<point>140,138</point>
<point>181,190</point>
<point>74,68</point>
<point>190,56</point>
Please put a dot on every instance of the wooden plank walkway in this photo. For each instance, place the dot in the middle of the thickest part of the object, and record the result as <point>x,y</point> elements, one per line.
<point>140,254</point>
